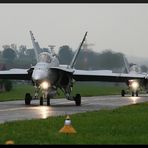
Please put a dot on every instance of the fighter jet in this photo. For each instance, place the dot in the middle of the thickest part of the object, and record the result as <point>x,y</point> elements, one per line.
<point>134,86</point>
<point>47,76</point>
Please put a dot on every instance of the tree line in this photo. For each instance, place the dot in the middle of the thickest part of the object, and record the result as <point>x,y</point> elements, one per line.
<point>87,59</point>
<point>90,60</point>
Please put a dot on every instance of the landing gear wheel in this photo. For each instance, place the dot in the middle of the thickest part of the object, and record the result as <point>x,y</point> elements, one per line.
<point>28,98</point>
<point>41,100</point>
<point>122,92</point>
<point>48,100</point>
<point>132,93</point>
<point>136,93</point>
<point>78,99</point>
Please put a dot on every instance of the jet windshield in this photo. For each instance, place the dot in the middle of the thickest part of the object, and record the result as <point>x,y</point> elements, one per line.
<point>45,57</point>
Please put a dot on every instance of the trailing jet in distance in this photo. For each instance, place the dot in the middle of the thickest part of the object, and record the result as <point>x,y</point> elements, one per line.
<point>134,85</point>
<point>48,76</point>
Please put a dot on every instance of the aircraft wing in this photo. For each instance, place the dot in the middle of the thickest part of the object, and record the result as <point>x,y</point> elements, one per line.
<point>105,75</point>
<point>63,69</point>
<point>17,74</point>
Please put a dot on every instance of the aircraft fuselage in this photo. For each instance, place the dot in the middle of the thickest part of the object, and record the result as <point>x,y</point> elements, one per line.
<point>42,71</point>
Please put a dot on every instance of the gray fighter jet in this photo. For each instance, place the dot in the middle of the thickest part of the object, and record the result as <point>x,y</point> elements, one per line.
<point>48,75</point>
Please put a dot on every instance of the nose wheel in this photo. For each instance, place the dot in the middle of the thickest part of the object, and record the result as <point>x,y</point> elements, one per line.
<point>135,93</point>
<point>41,100</point>
<point>48,100</point>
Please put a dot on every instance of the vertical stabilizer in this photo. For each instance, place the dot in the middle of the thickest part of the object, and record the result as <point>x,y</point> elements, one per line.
<point>36,46</point>
<point>77,52</point>
<point>126,64</point>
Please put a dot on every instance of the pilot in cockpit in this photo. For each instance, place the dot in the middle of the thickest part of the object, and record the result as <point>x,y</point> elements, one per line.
<point>45,57</point>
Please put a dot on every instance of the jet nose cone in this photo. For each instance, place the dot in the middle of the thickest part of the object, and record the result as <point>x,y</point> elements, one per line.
<point>39,75</point>
<point>36,77</point>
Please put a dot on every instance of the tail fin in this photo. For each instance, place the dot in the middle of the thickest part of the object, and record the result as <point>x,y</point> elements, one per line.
<point>77,52</point>
<point>36,46</point>
<point>126,64</point>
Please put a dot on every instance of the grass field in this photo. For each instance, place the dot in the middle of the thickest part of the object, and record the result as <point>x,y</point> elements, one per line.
<point>17,93</point>
<point>85,89</point>
<point>125,125</point>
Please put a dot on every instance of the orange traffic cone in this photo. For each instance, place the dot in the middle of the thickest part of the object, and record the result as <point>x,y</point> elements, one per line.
<point>67,127</point>
<point>9,142</point>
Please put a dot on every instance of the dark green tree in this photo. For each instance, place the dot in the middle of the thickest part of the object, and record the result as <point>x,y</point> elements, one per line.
<point>8,85</point>
<point>65,54</point>
<point>110,60</point>
<point>9,54</point>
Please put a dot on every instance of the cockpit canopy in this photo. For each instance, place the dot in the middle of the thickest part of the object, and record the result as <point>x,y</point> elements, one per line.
<point>135,68</point>
<point>45,57</point>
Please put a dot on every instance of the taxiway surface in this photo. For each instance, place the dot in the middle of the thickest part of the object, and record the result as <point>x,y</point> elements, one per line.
<point>17,110</point>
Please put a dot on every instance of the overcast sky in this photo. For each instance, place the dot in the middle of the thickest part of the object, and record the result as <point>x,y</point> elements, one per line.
<point>120,27</point>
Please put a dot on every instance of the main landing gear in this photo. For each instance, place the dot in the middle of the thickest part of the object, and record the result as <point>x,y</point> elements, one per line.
<point>133,93</point>
<point>28,98</point>
<point>77,100</point>
<point>122,92</point>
